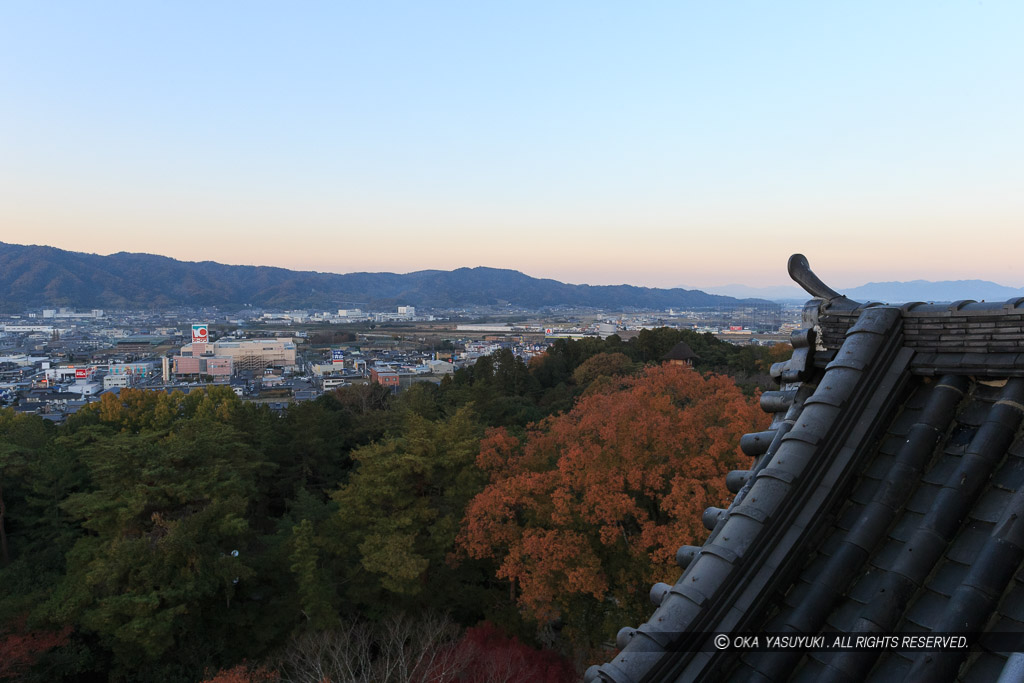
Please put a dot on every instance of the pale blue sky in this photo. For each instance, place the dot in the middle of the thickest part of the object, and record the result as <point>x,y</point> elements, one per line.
<point>666,143</point>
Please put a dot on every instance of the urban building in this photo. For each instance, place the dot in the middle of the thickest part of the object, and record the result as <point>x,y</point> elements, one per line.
<point>385,378</point>
<point>215,366</point>
<point>94,314</point>
<point>119,381</point>
<point>248,354</point>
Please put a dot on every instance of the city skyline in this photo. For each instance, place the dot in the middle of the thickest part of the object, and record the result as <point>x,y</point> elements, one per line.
<point>662,146</point>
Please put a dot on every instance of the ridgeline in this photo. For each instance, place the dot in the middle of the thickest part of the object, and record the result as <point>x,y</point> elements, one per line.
<point>33,276</point>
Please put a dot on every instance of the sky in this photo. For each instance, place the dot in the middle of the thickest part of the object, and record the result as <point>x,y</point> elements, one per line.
<point>656,143</point>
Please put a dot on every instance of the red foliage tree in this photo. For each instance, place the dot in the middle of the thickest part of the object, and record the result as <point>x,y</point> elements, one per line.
<point>20,648</point>
<point>486,655</point>
<point>587,511</point>
<point>243,673</point>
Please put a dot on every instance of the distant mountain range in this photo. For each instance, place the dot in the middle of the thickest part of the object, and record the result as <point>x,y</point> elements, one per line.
<point>887,292</point>
<point>923,290</point>
<point>35,276</point>
<point>779,293</point>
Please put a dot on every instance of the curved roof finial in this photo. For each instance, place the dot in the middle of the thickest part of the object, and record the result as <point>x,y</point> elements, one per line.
<point>800,271</point>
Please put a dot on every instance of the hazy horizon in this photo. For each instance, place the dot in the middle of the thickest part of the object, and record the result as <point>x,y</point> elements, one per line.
<point>789,284</point>
<point>601,144</point>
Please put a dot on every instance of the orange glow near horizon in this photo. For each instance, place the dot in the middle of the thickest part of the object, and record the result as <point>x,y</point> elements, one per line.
<point>652,258</point>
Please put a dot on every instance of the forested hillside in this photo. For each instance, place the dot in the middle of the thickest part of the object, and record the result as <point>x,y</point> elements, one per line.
<point>33,276</point>
<point>506,522</point>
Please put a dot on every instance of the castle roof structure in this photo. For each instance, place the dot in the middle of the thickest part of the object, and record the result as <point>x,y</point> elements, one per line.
<point>886,499</point>
<point>680,352</point>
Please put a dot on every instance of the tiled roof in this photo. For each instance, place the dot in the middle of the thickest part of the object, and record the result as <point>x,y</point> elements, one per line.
<point>887,498</point>
<point>680,351</point>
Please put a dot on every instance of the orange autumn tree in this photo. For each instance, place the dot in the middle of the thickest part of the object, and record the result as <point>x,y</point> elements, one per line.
<point>586,511</point>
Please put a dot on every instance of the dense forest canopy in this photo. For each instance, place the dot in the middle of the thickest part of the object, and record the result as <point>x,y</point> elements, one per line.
<point>510,519</point>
